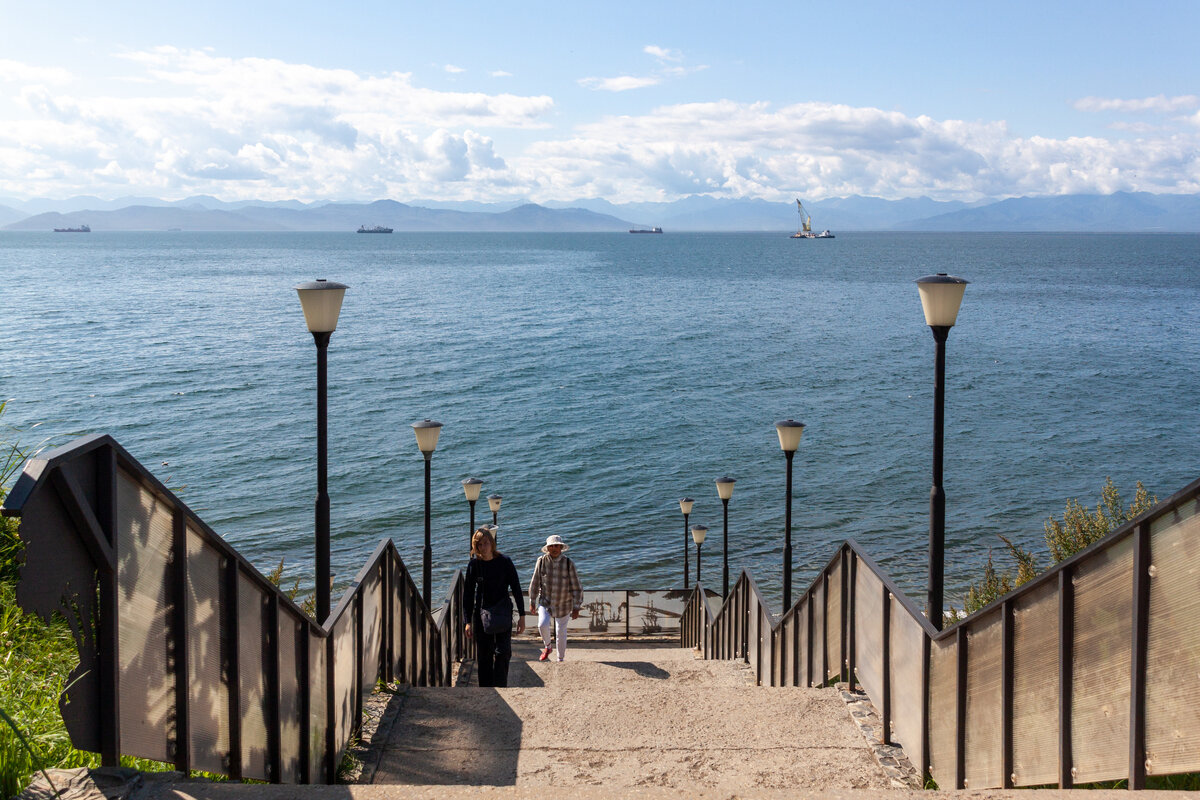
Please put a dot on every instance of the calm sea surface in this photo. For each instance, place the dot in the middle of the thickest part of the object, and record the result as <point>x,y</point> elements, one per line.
<point>594,379</point>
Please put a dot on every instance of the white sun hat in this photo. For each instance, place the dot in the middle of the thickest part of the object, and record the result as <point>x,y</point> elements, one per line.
<point>555,539</point>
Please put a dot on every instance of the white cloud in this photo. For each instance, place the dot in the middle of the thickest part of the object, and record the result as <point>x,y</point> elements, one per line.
<point>621,84</point>
<point>17,72</point>
<point>1159,104</point>
<point>451,68</point>
<point>662,53</point>
<point>499,73</point>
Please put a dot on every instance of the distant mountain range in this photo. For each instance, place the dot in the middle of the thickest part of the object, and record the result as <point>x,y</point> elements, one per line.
<point>1120,212</point>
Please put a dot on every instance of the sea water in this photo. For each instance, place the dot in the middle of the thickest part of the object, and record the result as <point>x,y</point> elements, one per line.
<point>594,379</point>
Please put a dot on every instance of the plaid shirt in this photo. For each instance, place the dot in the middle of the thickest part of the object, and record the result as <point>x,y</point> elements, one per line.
<point>556,582</point>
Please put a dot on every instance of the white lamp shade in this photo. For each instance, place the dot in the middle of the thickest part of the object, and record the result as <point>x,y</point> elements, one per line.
<point>698,533</point>
<point>725,487</point>
<point>322,303</point>
<point>471,487</point>
<point>685,504</point>
<point>427,434</point>
<point>494,502</point>
<point>941,295</point>
<point>789,432</point>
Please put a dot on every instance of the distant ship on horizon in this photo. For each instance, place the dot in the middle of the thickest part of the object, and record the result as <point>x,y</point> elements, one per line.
<point>373,229</point>
<point>806,231</point>
<point>80,229</point>
<point>645,230</point>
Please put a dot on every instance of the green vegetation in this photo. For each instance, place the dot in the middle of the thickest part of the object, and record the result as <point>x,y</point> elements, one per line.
<point>1078,529</point>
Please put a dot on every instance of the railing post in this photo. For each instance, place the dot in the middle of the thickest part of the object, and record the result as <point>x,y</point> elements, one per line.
<point>824,628</point>
<point>850,592</point>
<point>330,711</point>
<point>1006,694</point>
<point>179,638</point>
<point>273,722</point>
<point>926,739</point>
<point>388,616</point>
<point>1137,668</point>
<point>109,644</point>
<point>357,684</point>
<point>233,673</point>
<point>1066,661</point>
<point>885,735</point>
<point>960,711</point>
<point>304,699</point>
<point>844,622</point>
<point>808,658</point>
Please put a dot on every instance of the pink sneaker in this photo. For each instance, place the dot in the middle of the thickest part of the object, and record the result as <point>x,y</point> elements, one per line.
<point>545,653</point>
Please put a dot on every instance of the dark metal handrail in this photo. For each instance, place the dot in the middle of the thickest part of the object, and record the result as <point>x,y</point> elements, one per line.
<point>72,523</point>
<point>743,611</point>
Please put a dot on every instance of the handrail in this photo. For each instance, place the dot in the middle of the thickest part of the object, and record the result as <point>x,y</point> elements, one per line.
<point>973,696</point>
<point>247,684</point>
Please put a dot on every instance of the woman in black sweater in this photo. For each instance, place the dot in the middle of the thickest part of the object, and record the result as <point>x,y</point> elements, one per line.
<point>490,577</point>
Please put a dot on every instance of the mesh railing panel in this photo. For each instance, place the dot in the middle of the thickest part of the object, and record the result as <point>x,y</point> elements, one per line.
<point>984,679</point>
<point>943,723</point>
<point>907,640</point>
<point>1173,649</point>
<point>752,633</point>
<point>605,613</point>
<point>802,644</point>
<point>144,537</point>
<point>1035,686</point>
<point>818,634</point>
<point>289,698</point>
<point>208,694</point>
<point>868,632</point>
<point>787,645</point>
<point>1100,694</point>
<point>833,626</point>
<point>344,633</point>
<point>253,679</point>
<point>316,707</point>
<point>372,614</point>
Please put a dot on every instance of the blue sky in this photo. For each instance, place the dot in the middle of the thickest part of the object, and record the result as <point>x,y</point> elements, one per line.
<point>626,101</point>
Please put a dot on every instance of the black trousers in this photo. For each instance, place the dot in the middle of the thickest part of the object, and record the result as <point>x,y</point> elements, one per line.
<point>493,652</point>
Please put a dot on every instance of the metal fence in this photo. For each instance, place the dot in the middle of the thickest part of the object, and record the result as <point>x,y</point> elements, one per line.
<point>188,654</point>
<point>1086,673</point>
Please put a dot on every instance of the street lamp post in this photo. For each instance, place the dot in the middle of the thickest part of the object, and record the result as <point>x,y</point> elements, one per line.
<point>427,438</point>
<point>321,301</point>
<point>941,295</point>
<point>685,505</point>
<point>471,488</point>
<point>494,505</point>
<point>789,432</point>
<point>725,491</point>
<point>698,534</point>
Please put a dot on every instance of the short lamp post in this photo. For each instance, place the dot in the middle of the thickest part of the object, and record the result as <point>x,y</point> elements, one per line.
<point>494,505</point>
<point>698,534</point>
<point>941,295</point>
<point>725,491</point>
<point>471,487</point>
<point>685,505</point>
<point>427,438</point>
<point>789,432</point>
<point>321,301</point>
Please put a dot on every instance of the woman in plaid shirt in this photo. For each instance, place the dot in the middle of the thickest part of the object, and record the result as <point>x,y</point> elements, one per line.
<point>555,590</point>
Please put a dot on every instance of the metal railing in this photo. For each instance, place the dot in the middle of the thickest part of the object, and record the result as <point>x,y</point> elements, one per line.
<point>188,654</point>
<point>1086,673</point>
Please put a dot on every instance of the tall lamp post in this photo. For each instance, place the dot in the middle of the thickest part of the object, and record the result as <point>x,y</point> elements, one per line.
<point>494,505</point>
<point>725,491</point>
<point>789,432</point>
<point>685,505</point>
<point>471,487</point>
<point>321,301</point>
<point>427,438</point>
<point>698,534</point>
<point>941,296</point>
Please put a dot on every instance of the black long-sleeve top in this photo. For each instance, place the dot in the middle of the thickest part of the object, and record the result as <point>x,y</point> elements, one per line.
<point>497,577</point>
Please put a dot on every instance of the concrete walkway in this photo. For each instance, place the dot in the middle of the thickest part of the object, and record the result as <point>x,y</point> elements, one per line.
<point>631,716</point>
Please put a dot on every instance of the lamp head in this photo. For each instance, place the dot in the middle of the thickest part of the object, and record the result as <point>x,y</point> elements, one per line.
<point>494,502</point>
<point>427,435</point>
<point>941,296</point>
<point>725,487</point>
<point>685,504</point>
<point>789,432</point>
<point>471,488</point>
<point>321,301</point>
<point>698,533</point>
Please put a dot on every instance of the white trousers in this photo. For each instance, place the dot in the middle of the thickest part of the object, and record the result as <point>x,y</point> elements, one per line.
<point>545,622</point>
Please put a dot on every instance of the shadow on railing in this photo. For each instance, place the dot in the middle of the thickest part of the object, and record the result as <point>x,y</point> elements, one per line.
<point>188,655</point>
<point>1086,673</point>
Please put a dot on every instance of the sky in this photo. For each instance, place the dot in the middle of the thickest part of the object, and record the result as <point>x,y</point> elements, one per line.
<point>629,102</point>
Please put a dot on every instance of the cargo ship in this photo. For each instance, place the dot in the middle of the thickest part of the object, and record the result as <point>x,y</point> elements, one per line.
<point>806,231</point>
<point>645,230</point>
<point>80,229</point>
<point>373,229</point>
